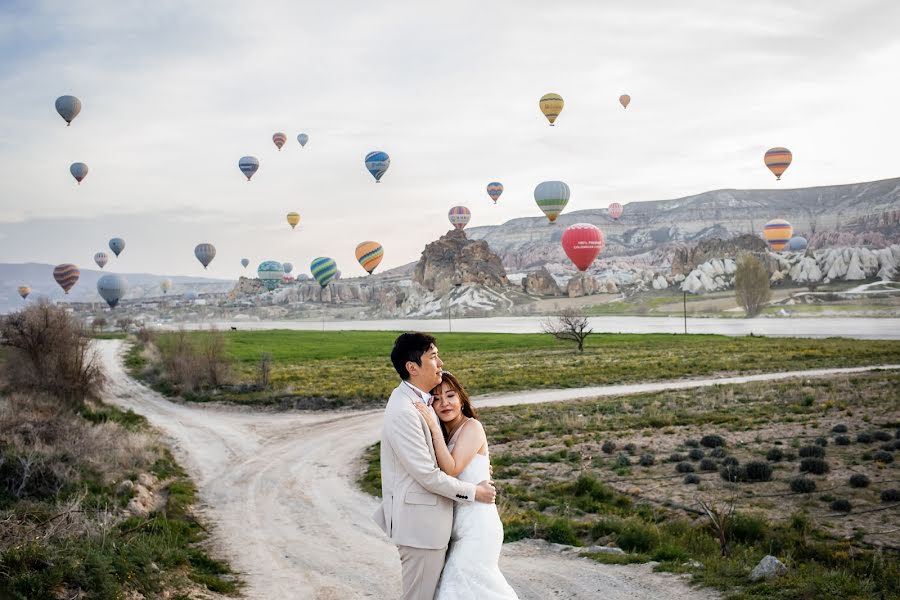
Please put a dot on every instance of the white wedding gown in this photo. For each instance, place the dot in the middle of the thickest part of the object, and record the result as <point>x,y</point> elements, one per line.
<point>471,570</point>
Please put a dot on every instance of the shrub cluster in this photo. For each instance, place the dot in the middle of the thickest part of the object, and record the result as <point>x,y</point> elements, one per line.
<point>708,464</point>
<point>696,454</point>
<point>732,473</point>
<point>816,466</point>
<point>881,436</point>
<point>758,471</point>
<point>814,451</point>
<point>822,441</point>
<point>647,460</point>
<point>712,441</point>
<point>891,495</point>
<point>803,485</point>
<point>883,457</point>
<point>859,481</point>
<point>684,467</point>
<point>691,479</point>
<point>775,455</point>
<point>839,428</point>
<point>631,449</point>
<point>718,452</point>
<point>608,447</point>
<point>677,457</point>
<point>865,438</point>
<point>842,440</point>
<point>841,505</point>
<point>691,443</point>
<point>622,460</point>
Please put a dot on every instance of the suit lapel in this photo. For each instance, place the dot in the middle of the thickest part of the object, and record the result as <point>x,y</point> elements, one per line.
<point>411,395</point>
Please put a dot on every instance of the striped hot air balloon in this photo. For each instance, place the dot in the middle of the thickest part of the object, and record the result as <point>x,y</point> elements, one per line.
<point>66,275</point>
<point>112,288</point>
<point>79,171</point>
<point>248,166</point>
<point>777,234</point>
<point>369,255</point>
<point>279,139</point>
<point>778,160</point>
<point>205,253</point>
<point>68,108</point>
<point>270,272</point>
<point>293,219</point>
<point>552,197</point>
<point>324,269</point>
<point>24,290</point>
<point>494,189</point>
<point>582,243</point>
<point>624,100</point>
<point>101,258</point>
<point>377,163</point>
<point>459,216</point>
<point>551,105</point>
<point>615,210</point>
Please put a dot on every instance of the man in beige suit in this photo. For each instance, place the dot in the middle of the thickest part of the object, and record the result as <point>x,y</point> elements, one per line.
<point>416,511</point>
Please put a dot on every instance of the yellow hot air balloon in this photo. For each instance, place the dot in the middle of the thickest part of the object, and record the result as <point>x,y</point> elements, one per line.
<point>24,290</point>
<point>777,234</point>
<point>551,105</point>
<point>293,219</point>
<point>624,100</point>
<point>369,255</point>
<point>778,160</point>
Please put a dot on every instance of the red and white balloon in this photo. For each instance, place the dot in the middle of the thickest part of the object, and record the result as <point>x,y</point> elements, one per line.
<point>615,210</point>
<point>583,243</point>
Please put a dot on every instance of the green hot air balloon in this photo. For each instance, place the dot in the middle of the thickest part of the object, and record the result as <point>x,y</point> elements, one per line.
<point>323,269</point>
<point>270,273</point>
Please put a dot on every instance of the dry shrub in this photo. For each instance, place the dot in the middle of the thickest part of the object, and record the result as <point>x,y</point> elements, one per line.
<point>751,285</point>
<point>192,363</point>
<point>50,353</point>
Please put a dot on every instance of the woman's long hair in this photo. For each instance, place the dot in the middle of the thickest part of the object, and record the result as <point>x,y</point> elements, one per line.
<point>468,409</point>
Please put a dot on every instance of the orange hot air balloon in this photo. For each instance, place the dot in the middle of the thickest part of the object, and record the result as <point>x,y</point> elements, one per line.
<point>369,255</point>
<point>777,234</point>
<point>778,160</point>
<point>624,100</point>
<point>279,139</point>
<point>66,275</point>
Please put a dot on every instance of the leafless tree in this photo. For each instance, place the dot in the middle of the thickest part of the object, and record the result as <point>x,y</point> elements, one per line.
<point>264,370</point>
<point>721,521</point>
<point>751,285</point>
<point>570,325</point>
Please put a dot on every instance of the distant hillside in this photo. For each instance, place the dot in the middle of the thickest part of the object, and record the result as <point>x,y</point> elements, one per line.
<point>40,278</point>
<point>854,209</point>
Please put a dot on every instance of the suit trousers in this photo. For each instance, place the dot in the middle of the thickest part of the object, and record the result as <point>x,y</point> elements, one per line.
<point>421,571</point>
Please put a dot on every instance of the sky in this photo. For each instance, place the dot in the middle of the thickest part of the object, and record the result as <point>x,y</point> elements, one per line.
<point>174,93</point>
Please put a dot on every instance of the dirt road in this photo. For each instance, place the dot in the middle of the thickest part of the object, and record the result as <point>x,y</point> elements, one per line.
<point>279,489</point>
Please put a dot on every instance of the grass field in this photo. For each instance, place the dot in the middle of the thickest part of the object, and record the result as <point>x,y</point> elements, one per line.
<point>631,471</point>
<point>352,368</point>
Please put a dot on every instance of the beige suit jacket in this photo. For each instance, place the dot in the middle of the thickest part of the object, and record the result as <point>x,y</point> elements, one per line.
<point>417,497</point>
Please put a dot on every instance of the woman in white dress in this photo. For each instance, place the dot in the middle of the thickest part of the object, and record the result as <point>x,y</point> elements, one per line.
<point>471,569</point>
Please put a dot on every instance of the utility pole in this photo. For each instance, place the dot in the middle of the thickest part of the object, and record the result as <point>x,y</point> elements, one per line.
<point>685,312</point>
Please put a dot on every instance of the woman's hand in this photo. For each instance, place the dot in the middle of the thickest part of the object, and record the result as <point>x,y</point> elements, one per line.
<point>433,425</point>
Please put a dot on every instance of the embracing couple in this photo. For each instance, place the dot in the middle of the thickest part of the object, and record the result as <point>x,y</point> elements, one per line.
<point>436,483</point>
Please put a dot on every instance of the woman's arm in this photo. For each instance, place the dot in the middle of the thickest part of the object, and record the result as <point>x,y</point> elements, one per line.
<point>471,439</point>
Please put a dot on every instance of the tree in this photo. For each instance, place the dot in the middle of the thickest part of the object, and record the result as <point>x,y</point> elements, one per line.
<point>751,285</point>
<point>98,324</point>
<point>571,325</point>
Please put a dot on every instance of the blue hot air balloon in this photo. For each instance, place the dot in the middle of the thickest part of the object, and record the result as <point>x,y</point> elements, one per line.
<point>205,253</point>
<point>68,108</point>
<point>324,270</point>
<point>245,262</point>
<point>797,243</point>
<point>270,272</point>
<point>377,163</point>
<point>302,138</point>
<point>111,288</point>
<point>79,171</point>
<point>117,245</point>
<point>248,166</point>
<point>288,267</point>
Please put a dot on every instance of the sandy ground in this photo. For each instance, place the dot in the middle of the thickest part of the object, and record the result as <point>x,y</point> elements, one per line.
<point>279,489</point>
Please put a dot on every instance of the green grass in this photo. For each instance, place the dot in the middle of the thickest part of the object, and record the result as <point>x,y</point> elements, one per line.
<point>352,368</point>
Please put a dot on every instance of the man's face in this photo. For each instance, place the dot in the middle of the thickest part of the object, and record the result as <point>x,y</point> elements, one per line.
<point>429,373</point>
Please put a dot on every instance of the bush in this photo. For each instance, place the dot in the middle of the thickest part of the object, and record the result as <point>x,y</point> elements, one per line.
<point>712,441</point>
<point>691,479</point>
<point>896,444</point>
<point>890,446</point>
<point>816,466</point>
<point>859,481</point>
<point>839,428</point>
<point>638,536</point>
<point>775,455</point>
<point>608,447</point>
<point>718,453</point>
<point>751,285</point>
<point>842,440</point>
<point>814,451</point>
<point>865,438</point>
<point>631,449</point>
<point>622,460</point>
<point>891,495</point>
<point>676,457</point>
<point>560,531</point>
<point>51,353</point>
<point>803,485</point>
<point>758,471</point>
<point>748,529</point>
<point>822,441</point>
<point>881,436</point>
<point>730,461</point>
<point>696,454</point>
<point>841,505</point>
<point>692,443</point>
<point>883,457</point>
<point>684,467</point>
<point>732,473</point>
<point>708,464</point>
<point>647,460</point>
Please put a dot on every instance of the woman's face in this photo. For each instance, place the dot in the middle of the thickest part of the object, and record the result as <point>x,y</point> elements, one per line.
<point>446,403</point>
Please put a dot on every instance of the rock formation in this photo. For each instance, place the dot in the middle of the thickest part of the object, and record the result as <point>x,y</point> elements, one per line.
<point>582,284</point>
<point>687,258</point>
<point>456,259</point>
<point>541,283</point>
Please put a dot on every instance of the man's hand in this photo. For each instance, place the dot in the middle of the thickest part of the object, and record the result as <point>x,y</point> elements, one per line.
<point>485,492</point>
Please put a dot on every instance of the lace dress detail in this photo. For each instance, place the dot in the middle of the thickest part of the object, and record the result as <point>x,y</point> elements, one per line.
<point>471,570</point>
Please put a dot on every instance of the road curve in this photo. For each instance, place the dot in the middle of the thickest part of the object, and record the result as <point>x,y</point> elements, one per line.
<point>280,490</point>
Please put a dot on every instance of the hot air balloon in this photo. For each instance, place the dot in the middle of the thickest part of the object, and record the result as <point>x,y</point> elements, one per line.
<point>165,285</point>
<point>624,100</point>
<point>323,269</point>
<point>302,138</point>
<point>270,273</point>
<point>377,163</point>
<point>778,160</point>
<point>248,166</point>
<point>279,139</point>
<point>552,197</point>
<point>494,189</point>
<point>117,245</point>
<point>245,262</point>
<point>615,211</point>
<point>68,108</point>
<point>205,253</point>
<point>797,243</point>
<point>24,290</point>
<point>66,275</point>
<point>777,233</point>
<point>288,267</point>
<point>459,216</point>
<point>293,219</point>
<point>551,105</point>
<point>369,255</point>
<point>79,171</point>
<point>582,243</point>
<point>191,295</point>
<point>111,288</point>
<point>101,259</point>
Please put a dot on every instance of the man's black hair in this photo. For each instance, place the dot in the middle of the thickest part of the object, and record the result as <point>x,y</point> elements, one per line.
<point>410,347</point>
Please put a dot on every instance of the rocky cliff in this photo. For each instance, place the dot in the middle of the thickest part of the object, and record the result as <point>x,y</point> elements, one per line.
<point>455,259</point>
